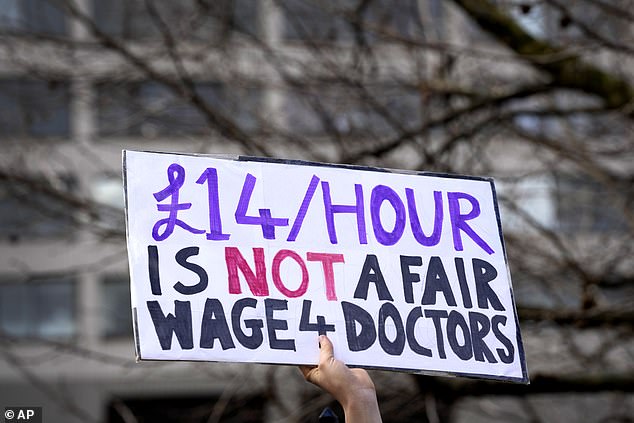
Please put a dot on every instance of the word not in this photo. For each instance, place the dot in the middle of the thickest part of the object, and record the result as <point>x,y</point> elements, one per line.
<point>380,196</point>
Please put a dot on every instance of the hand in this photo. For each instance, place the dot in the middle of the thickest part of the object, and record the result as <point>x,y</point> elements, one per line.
<point>353,388</point>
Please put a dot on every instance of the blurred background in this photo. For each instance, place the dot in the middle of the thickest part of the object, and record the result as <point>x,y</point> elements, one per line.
<point>538,94</point>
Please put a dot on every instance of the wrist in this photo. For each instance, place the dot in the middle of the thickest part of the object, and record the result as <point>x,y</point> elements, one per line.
<point>361,404</point>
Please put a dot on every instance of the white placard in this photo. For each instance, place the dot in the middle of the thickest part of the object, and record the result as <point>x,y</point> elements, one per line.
<point>248,260</point>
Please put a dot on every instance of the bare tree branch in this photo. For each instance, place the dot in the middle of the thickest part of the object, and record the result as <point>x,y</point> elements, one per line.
<point>569,71</point>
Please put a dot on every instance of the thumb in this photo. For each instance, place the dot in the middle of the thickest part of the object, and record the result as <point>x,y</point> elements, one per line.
<point>326,351</point>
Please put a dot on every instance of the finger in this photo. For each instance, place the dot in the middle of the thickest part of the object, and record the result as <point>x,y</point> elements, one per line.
<point>306,370</point>
<point>311,374</point>
<point>326,351</point>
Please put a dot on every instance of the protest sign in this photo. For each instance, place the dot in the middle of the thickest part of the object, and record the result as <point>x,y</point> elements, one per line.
<point>247,260</point>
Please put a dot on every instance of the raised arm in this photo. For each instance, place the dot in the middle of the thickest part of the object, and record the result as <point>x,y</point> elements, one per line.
<point>353,388</point>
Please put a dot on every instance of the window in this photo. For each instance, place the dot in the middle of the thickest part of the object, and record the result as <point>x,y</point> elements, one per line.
<point>116,310</point>
<point>202,20</point>
<point>34,108</point>
<point>563,202</point>
<point>337,21</point>
<point>107,192</point>
<point>584,205</point>
<point>530,197</point>
<point>108,189</point>
<point>149,109</point>
<point>30,208</point>
<point>41,17</point>
<point>38,309</point>
<point>328,108</point>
